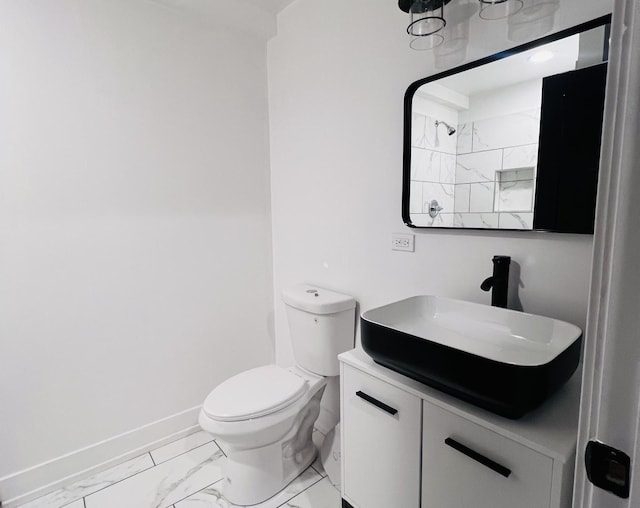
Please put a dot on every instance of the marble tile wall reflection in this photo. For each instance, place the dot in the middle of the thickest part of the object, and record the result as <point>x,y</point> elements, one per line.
<point>440,192</point>
<point>462,197</point>
<point>475,220</point>
<point>515,220</point>
<point>483,176</point>
<point>465,137</point>
<point>507,131</point>
<point>425,134</point>
<point>478,166</point>
<point>418,123</point>
<point>495,171</point>
<point>520,156</point>
<point>482,196</point>
<point>433,171</point>
<point>514,196</point>
<point>447,168</point>
<point>442,220</point>
<point>425,165</point>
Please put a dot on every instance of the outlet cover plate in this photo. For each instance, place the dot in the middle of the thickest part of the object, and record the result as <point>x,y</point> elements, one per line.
<point>402,241</point>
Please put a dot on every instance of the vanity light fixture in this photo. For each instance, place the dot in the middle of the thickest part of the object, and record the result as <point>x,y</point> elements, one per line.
<point>421,43</point>
<point>426,20</point>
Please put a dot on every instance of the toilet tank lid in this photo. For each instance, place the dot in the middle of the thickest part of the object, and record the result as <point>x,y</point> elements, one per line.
<point>317,300</point>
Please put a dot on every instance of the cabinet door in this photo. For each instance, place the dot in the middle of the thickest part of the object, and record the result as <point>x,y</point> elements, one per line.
<point>381,443</point>
<point>465,465</point>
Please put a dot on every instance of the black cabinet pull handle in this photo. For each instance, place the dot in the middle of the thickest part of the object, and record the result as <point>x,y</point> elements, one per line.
<point>392,411</point>
<point>494,466</point>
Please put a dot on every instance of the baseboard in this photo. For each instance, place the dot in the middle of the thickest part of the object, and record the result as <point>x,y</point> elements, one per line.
<point>39,480</point>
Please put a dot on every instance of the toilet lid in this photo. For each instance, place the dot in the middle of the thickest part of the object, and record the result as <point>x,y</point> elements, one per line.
<point>254,393</point>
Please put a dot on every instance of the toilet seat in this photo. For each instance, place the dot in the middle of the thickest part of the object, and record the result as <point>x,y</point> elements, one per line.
<point>254,393</point>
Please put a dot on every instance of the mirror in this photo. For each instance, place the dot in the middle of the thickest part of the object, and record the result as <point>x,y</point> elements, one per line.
<point>510,142</point>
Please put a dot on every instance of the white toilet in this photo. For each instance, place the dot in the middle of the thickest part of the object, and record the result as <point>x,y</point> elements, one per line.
<point>264,416</point>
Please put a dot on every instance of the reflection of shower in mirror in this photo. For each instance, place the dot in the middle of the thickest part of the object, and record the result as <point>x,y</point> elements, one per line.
<point>450,130</point>
<point>434,208</point>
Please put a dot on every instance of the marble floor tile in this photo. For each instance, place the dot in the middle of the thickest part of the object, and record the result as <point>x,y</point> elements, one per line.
<point>222,446</point>
<point>180,446</point>
<point>165,484</point>
<point>318,439</point>
<point>211,497</point>
<point>76,504</point>
<point>94,483</point>
<point>320,495</point>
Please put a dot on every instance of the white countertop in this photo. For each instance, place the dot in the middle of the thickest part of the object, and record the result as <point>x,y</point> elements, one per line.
<point>550,429</point>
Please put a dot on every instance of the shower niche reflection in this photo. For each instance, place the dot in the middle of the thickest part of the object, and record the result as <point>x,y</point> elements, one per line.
<point>511,141</point>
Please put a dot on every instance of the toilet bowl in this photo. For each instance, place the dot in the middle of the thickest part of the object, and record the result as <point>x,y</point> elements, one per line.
<point>264,417</point>
<point>267,439</point>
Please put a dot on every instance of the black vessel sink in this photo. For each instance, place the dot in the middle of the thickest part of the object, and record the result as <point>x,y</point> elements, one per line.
<point>504,361</point>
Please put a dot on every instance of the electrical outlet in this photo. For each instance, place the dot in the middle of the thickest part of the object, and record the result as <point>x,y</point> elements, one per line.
<point>402,241</point>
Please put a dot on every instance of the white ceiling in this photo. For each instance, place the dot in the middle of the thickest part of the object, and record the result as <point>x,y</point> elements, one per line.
<point>514,69</point>
<point>240,14</point>
<point>274,6</point>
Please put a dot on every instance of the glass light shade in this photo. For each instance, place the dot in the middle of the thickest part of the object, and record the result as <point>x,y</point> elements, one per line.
<point>425,19</point>
<point>499,9</point>
<point>424,42</point>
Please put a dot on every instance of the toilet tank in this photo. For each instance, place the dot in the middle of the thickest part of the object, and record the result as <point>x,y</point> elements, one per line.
<point>321,325</point>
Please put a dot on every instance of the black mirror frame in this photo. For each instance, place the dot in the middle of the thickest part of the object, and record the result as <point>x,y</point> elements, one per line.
<point>408,111</point>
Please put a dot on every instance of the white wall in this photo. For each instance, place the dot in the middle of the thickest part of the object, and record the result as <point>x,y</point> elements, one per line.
<point>503,101</point>
<point>428,107</point>
<point>135,250</point>
<point>337,75</point>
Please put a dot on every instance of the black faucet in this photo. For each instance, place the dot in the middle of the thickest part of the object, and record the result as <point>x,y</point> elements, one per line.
<point>499,281</point>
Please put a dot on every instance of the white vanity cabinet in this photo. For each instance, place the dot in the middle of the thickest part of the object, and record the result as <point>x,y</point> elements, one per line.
<point>407,445</point>
<point>465,464</point>
<point>380,435</point>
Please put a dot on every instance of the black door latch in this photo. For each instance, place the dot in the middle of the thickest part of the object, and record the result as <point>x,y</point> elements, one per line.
<point>608,468</point>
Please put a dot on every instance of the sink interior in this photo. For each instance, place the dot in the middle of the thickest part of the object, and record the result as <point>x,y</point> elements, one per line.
<point>505,361</point>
